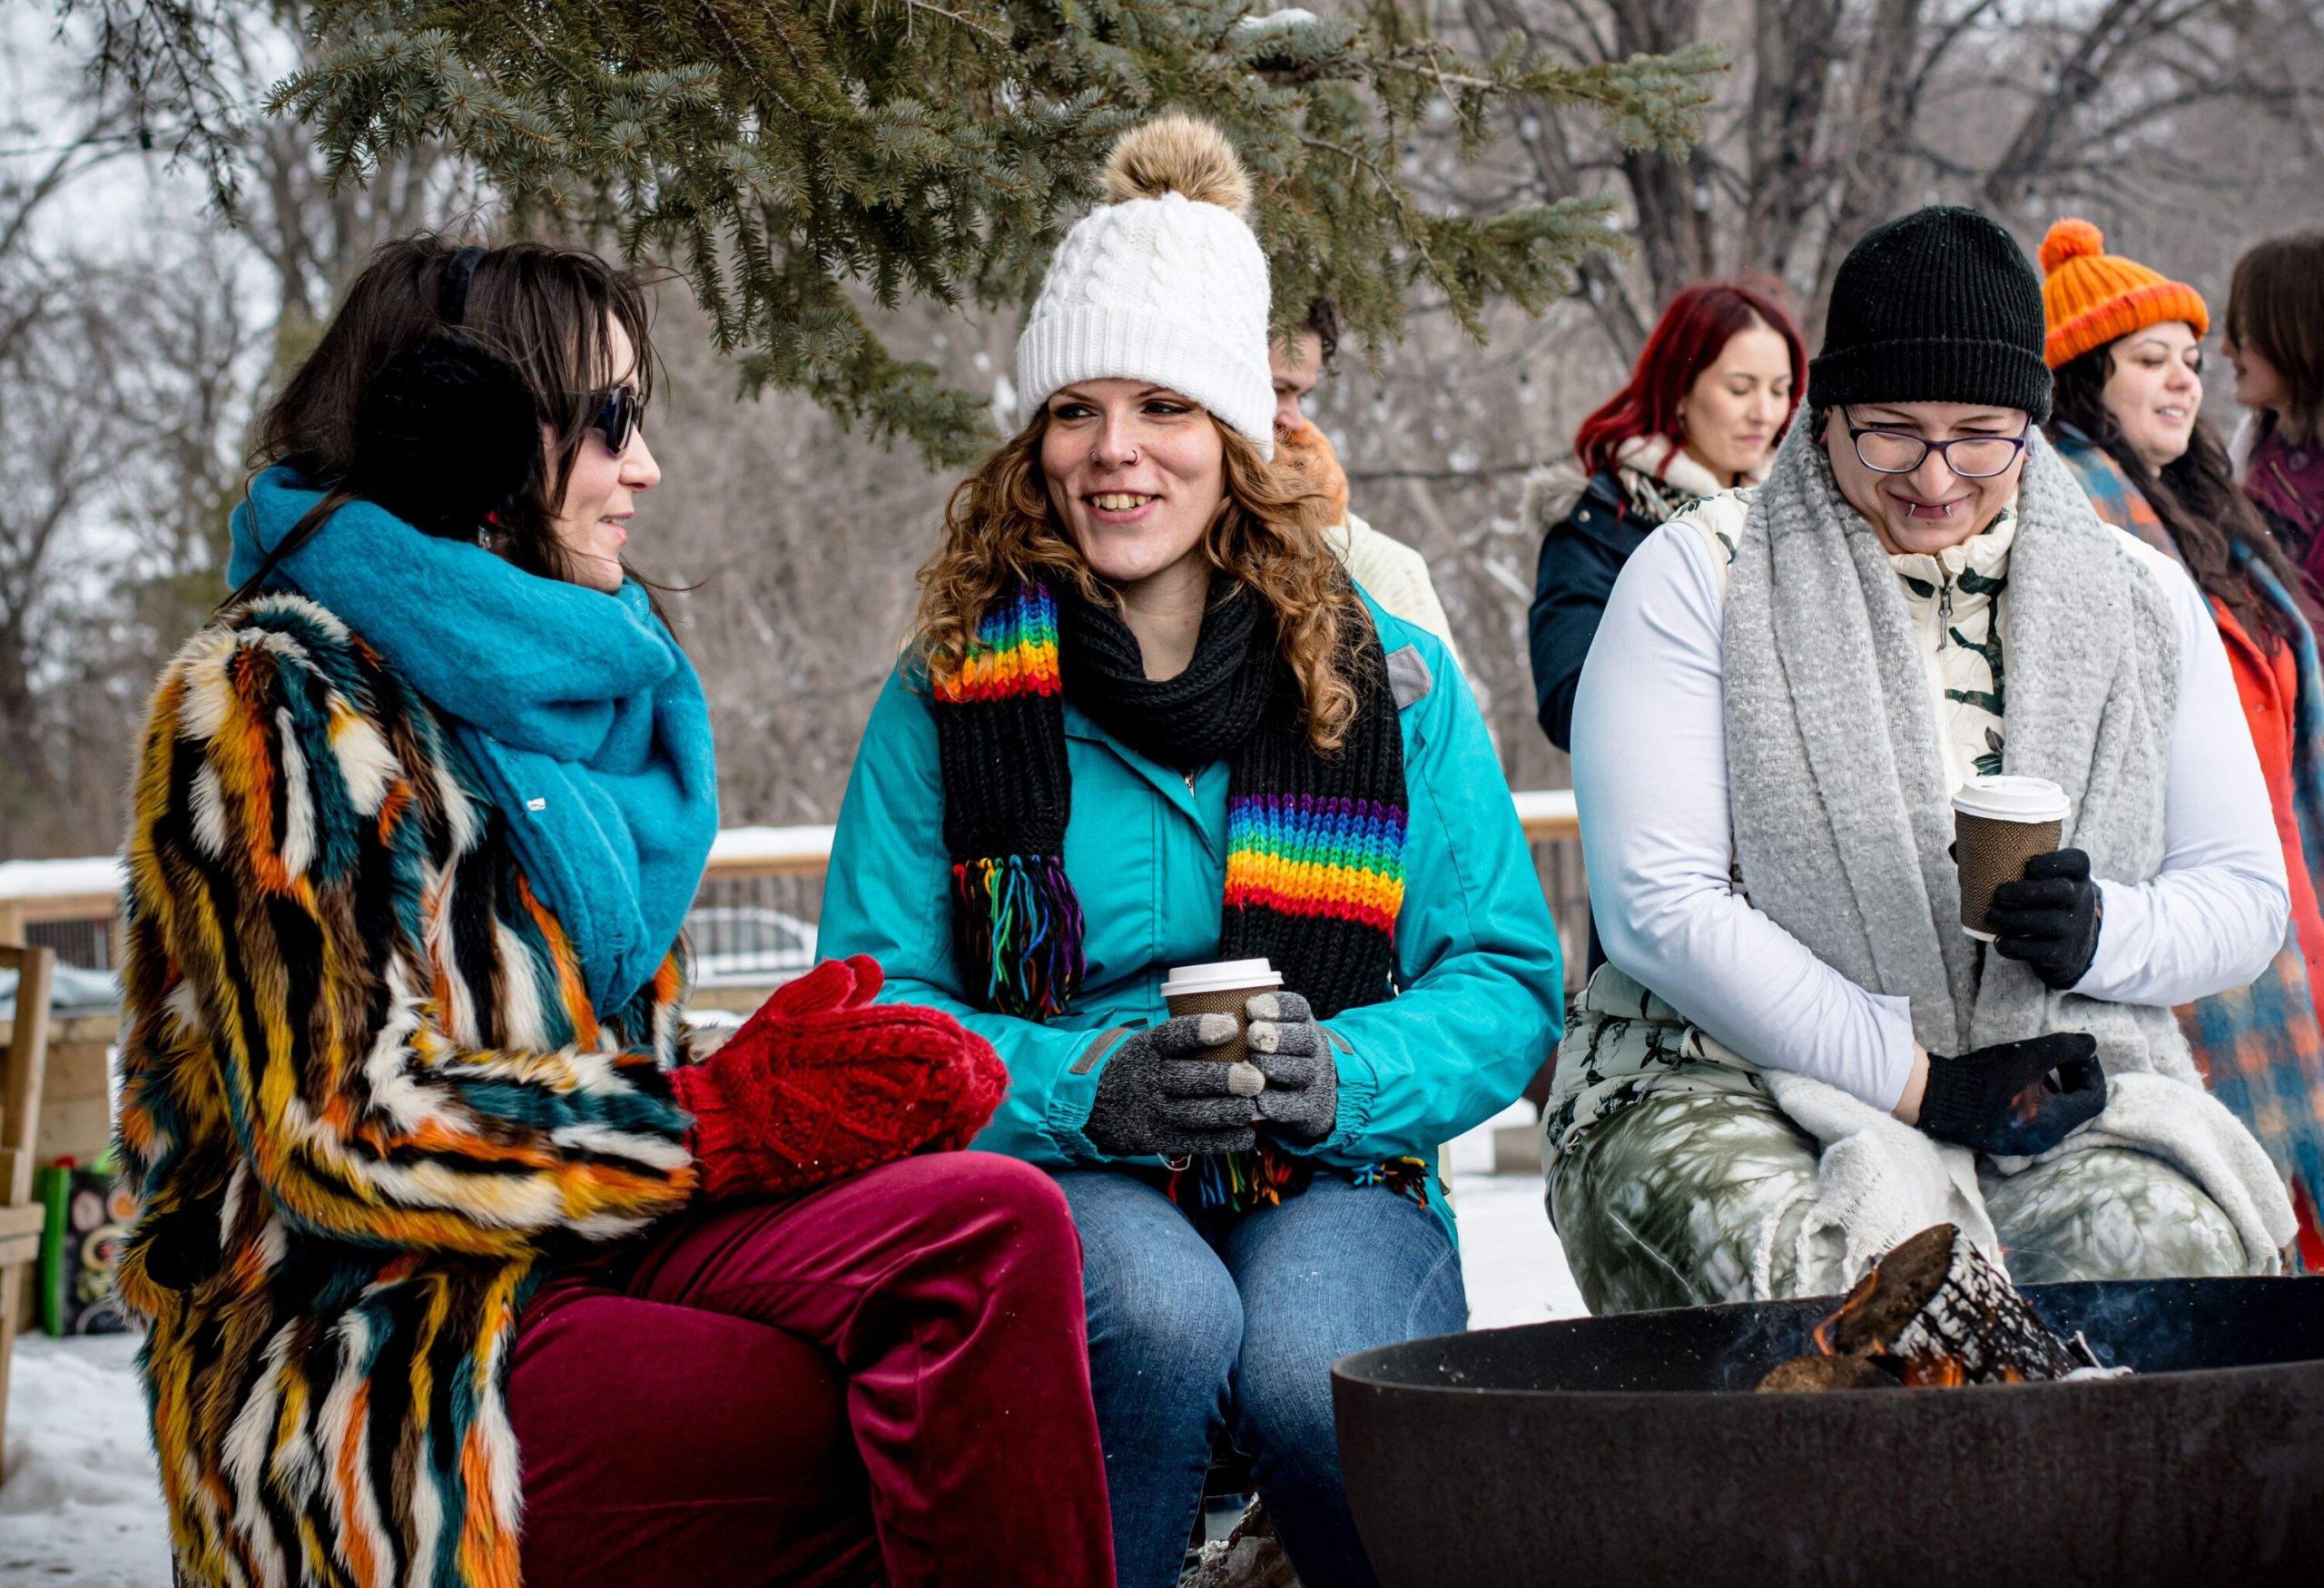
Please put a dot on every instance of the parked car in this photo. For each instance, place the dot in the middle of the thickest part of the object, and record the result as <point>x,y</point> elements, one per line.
<point>744,943</point>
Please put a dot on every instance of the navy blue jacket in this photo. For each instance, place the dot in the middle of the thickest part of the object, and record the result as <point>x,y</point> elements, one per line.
<point>1581,556</point>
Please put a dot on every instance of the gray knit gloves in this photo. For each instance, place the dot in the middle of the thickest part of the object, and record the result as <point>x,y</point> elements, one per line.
<point>1164,1092</point>
<point>1302,1094</point>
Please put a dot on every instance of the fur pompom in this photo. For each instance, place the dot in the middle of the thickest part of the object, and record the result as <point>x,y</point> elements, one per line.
<point>1181,154</point>
<point>2070,239</point>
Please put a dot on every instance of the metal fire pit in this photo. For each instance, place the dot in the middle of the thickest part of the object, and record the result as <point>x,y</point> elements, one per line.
<point>1628,1451</point>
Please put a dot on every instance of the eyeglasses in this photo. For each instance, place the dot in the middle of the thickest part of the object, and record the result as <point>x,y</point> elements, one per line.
<point>614,414</point>
<point>1970,456</point>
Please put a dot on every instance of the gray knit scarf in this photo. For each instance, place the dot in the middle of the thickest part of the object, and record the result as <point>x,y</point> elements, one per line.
<point>1841,816</point>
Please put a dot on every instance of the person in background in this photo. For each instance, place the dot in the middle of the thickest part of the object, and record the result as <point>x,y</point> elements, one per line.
<point>460,1263</point>
<point>1797,1054</point>
<point>1385,569</point>
<point>2275,340</point>
<point>2126,348</point>
<point>1147,721</point>
<point>1710,396</point>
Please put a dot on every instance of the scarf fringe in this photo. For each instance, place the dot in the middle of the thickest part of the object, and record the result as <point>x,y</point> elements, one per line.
<point>1239,1182</point>
<point>1019,922</point>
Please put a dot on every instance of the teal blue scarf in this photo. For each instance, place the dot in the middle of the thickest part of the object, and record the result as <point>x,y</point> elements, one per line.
<point>581,716</point>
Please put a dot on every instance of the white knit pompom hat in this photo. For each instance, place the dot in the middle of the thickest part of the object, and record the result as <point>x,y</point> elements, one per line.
<point>1164,283</point>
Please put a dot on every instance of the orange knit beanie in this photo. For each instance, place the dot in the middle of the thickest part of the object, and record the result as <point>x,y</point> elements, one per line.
<point>2091,297</point>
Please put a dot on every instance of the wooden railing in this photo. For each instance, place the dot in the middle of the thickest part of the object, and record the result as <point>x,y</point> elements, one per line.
<point>73,905</point>
<point>49,899</point>
<point>1547,815</point>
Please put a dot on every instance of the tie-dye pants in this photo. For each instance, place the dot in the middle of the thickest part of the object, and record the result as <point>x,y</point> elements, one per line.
<point>1664,1201</point>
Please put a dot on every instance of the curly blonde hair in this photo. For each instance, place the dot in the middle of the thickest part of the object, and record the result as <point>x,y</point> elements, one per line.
<point>1001,529</point>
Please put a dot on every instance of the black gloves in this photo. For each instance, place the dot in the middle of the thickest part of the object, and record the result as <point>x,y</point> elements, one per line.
<point>1302,1094</point>
<point>1163,1092</point>
<point>2004,1100</point>
<point>2051,919</point>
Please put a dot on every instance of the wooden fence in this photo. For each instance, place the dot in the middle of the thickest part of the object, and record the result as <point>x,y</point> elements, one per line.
<point>760,880</point>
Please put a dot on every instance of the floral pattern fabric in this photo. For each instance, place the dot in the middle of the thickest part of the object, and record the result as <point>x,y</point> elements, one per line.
<point>1668,1205</point>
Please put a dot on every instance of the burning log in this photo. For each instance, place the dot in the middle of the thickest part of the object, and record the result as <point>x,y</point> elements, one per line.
<point>1806,1373</point>
<point>1933,1312</point>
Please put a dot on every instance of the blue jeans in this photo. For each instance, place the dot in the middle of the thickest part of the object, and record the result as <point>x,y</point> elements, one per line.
<point>1237,1324</point>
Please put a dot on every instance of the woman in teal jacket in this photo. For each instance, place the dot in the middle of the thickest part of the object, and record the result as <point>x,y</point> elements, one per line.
<point>1146,723</point>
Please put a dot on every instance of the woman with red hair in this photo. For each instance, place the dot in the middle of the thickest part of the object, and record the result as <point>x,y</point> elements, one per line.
<point>1713,390</point>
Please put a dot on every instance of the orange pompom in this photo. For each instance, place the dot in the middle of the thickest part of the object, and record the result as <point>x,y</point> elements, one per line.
<point>2070,239</point>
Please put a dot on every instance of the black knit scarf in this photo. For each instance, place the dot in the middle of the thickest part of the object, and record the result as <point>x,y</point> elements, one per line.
<point>1315,873</point>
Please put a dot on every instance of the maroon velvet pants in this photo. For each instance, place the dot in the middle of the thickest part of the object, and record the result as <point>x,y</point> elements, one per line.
<point>885,1380</point>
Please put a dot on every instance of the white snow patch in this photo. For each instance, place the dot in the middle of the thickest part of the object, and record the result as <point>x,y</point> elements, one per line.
<point>761,845</point>
<point>54,879</point>
<point>1290,19</point>
<point>1545,805</point>
<point>1510,1255</point>
<point>80,1505</point>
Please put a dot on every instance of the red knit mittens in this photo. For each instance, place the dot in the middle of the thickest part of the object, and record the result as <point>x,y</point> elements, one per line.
<point>821,1083</point>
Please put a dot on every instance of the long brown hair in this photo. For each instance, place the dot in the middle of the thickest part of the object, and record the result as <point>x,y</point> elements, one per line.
<point>1001,529</point>
<point>2275,303</point>
<point>543,307</point>
<point>2210,520</point>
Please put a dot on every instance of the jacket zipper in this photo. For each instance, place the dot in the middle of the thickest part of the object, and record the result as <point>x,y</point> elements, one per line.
<point>1944,613</point>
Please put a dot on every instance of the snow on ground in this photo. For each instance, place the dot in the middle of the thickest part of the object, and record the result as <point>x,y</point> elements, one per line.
<point>1508,1254</point>
<point>80,1506</point>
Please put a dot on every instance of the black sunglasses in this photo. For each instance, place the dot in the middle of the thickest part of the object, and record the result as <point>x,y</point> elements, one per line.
<point>614,414</point>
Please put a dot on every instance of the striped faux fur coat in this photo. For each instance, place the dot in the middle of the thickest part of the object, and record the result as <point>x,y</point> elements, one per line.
<point>364,1104</point>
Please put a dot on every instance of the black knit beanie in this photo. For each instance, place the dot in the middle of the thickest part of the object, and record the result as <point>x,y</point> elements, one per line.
<point>1939,306</point>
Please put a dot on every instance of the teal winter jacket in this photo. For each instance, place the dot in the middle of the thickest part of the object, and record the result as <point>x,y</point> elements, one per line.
<point>1481,1001</point>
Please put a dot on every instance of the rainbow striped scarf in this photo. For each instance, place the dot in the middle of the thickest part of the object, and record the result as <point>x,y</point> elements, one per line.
<point>1314,842</point>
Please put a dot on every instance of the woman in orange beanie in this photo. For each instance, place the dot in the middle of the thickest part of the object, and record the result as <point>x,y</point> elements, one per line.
<point>2125,346</point>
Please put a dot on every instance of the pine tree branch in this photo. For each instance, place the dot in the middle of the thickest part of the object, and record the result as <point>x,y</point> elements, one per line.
<point>800,158</point>
<point>968,21</point>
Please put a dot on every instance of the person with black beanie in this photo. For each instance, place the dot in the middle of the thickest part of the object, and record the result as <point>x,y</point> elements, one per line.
<point>1798,1053</point>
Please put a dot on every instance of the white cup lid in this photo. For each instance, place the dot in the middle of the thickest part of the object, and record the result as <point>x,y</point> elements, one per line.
<point>2012,799</point>
<point>1219,976</point>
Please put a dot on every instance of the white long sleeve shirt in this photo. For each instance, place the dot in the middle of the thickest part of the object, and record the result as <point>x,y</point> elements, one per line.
<point>1649,775</point>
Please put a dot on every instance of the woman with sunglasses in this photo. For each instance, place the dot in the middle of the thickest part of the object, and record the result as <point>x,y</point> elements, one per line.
<point>458,1258</point>
<point>1797,1055</point>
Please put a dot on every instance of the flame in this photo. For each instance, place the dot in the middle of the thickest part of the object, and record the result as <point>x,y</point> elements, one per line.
<point>2027,1104</point>
<point>1918,1371</point>
<point>1855,1302</point>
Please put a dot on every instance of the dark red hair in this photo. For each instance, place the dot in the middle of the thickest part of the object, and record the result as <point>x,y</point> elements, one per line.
<point>1687,340</point>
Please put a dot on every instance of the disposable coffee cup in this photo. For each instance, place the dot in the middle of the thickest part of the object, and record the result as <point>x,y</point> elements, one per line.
<point>1998,824</point>
<point>1221,987</point>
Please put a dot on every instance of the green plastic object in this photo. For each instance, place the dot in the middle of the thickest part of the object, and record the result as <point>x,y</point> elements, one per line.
<point>55,1183</point>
